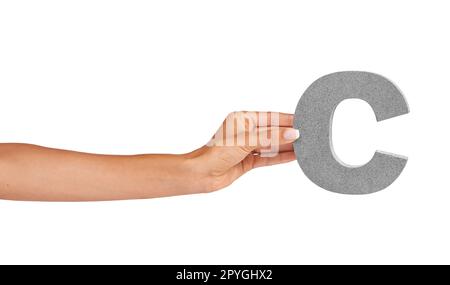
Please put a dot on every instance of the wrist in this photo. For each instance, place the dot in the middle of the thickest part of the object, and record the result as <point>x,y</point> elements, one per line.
<point>197,180</point>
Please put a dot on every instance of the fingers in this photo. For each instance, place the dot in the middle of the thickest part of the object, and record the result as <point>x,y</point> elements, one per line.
<point>239,124</point>
<point>245,133</point>
<point>261,119</point>
<point>274,119</point>
<point>282,157</point>
<point>286,147</point>
<point>254,161</point>
<point>282,148</point>
<point>267,137</point>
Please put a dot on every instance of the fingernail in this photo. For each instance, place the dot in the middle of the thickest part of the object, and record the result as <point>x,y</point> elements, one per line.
<point>291,134</point>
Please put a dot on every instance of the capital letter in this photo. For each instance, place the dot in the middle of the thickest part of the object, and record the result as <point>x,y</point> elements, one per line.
<point>314,117</point>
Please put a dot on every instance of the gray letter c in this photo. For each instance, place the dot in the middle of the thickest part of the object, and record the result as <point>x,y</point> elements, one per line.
<point>314,115</point>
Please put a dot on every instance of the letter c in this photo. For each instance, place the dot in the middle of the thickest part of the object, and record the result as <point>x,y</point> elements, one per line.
<point>314,117</point>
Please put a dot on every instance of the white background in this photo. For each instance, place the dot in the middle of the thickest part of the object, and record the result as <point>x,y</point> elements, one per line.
<point>144,77</point>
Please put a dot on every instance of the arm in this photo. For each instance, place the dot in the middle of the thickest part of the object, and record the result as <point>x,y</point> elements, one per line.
<point>29,172</point>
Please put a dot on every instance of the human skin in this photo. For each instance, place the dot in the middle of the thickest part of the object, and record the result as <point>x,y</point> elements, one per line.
<point>35,173</point>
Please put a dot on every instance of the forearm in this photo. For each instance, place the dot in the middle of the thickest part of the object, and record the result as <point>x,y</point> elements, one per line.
<point>29,172</point>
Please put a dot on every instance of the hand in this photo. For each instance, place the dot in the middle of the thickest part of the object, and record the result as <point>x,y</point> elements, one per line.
<point>244,141</point>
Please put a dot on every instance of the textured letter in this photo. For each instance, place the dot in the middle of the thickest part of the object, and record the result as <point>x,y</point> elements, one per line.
<point>314,116</point>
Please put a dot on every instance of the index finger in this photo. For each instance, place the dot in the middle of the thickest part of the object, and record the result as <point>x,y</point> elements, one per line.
<point>269,119</point>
